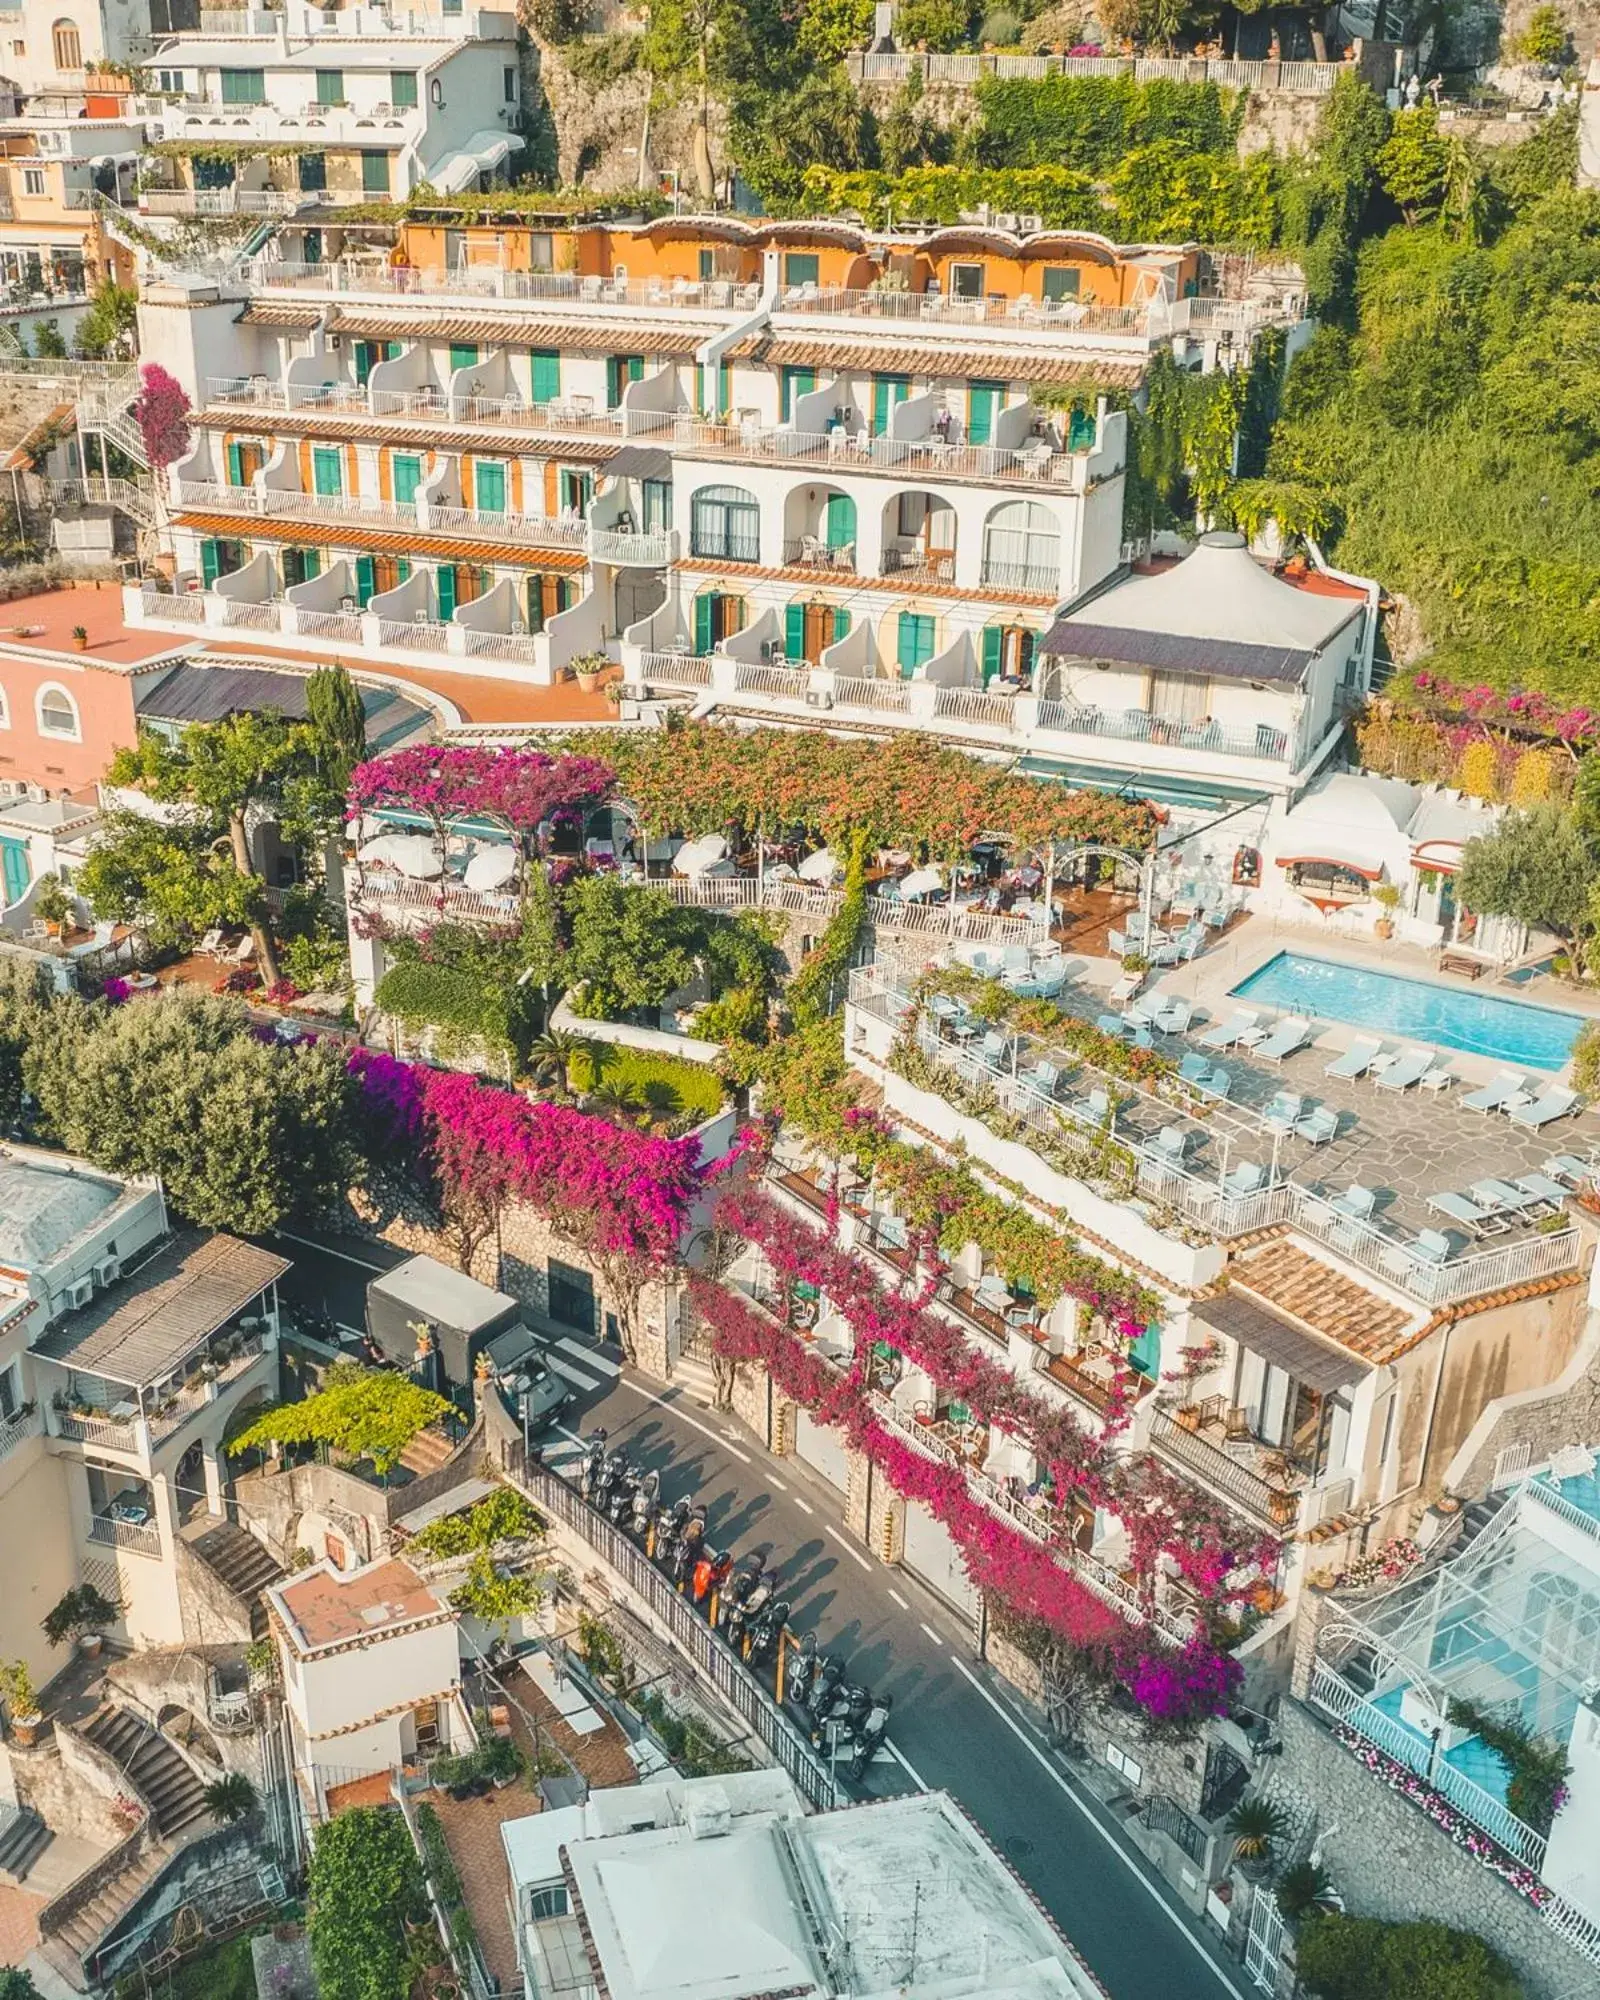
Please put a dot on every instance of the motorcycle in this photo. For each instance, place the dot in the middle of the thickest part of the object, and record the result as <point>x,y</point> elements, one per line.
<point>593,1460</point>
<point>761,1635</point>
<point>801,1672</point>
<point>825,1680</point>
<point>846,1710</point>
<point>686,1551</point>
<point>710,1574</point>
<point>619,1502</point>
<point>869,1736</point>
<point>755,1602</point>
<point>737,1588</point>
<point>665,1530</point>
<point>645,1494</point>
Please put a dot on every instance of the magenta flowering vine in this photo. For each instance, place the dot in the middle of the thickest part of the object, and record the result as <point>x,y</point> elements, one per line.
<point>518,789</point>
<point>1521,709</point>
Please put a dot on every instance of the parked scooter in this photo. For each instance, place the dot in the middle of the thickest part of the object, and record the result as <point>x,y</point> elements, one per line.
<point>801,1674</point>
<point>846,1709</point>
<point>594,1459</point>
<point>686,1551</point>
<point>646,1492</point>
<point>870,1736</point>
<point>761,1635</point>
<point>710,1574</point>
<point>755,1602</point>
<point>823,1683</point>
<point>619,1500</point>
<point>737,1588</point>
<point>665,1530</point>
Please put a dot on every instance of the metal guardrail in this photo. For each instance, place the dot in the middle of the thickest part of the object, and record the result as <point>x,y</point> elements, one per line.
<point>710,1657</point>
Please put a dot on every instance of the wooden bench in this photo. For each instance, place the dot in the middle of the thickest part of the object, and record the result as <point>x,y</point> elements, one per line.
<point>1461,961</point>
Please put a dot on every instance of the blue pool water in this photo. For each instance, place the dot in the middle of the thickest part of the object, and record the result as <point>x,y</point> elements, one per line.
<point>1479,1024</point>
<point>1472,1759</point>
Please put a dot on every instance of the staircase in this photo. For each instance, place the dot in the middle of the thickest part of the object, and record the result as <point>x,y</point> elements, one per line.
<point>23,1838</point>
<point>427,1451</point>
<point>152,1767</point>
<point>242,1564</point>
<point>68,1945</point>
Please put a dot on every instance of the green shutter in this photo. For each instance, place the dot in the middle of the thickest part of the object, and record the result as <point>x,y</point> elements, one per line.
<point>913,642</point>
<point>635,367</point>
<point>724,386</point>
<point>330,86</point>
<point>363,353</point>
<point>841,521</point>
<point>446,583</point>
<point>993,644</point>
<point>327,470</point>
<point>490,484</point>
<point>374,173</point>
<point>402,569</point>
<point>403,89</point>
<point>702,624</point>
<point>983,400</point>
<point>1145,1353</point>
<point>794,631</point>
<point>887,390</point>
<point>312,565</point>
<point>235,466</point>
<point>463,354</point>
<point>210,562</point>
<point>407,477</point>
<point>791,383</point>
<point>841,623</point>
<point>613,381</point>
<point>366,580</point>
<point>546,375</point>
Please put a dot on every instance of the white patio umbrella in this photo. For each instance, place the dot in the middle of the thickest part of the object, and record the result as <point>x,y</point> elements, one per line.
<point>491,868</point>
<point>921,882</point>
<point>696,856</point>
<point>818,867</point>
<point>412,854</point>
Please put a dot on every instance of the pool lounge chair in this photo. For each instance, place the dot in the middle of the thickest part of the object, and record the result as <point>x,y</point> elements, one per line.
<point>1505,1086</point>
<point>1284,1111</point>
<point>1550,1192</point>
<point>1569,1168</point>
<point>1409,1067</point>
<point>1356,1060</point>
<point>1553,1102</point>
<point>1217,1085</point>
<point>1289,1036</point>
<point>1480,1221</point>
<point>1319,1125</point>
<point>1227,1034</point>
<point>1504,1196</point>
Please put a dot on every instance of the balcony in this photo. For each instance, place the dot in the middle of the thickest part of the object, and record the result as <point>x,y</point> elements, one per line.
<point>352,277</point>
<point>809,552</point>
<point>387,127</point>
<point>139,1538</point>
<point>856,451</point>
<point>574,415</point>
<point>641,549</point>
<point>1182,1437</point>
<point>18,1429</point>
<point>1133,725</point>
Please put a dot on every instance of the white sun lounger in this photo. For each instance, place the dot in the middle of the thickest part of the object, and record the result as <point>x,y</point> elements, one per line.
<point>1225,1034</point>
<point>1481,1221</point>
<point>1505,1085</point>
<point>1407,1068</point>
<point>1290,1035</point>
<point>1552,1103</point>
<point>1356,1060</point>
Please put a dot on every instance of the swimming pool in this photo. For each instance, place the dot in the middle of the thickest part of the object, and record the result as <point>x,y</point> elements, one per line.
<point>1477,1023</point>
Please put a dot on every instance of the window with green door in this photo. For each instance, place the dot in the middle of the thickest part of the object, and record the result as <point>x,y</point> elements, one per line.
<point>707,266</point>
<point>330,86</point>
<point>366,580</point>
<point>1059,281</point>
<point>801,267</point>
<point>313,176</point>
<point>403,89</point>
<point>621,369</point>
<point>327,469</point>
<point>546,375</point>
<point>374,173</point>
<point>489,486</point>
<point>369,353</point>
<point>244,86</point>
<point>839,521</point>
<point>463,354</point>
<point>407,476</point>
<point>913,642</point>
<point>887,390</point>
<point>793,382</point>
<point>444,579</point>
<point>576,490</point>
<point>983,405</point>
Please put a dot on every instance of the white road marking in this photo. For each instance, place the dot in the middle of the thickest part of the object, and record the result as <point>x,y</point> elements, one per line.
<point>677,1410</point>
<point>855,1555</point>
<point>931,1633</point>
<point>1117,1849</point>
<point>804,1507</point>
<point>591,1357</point>
<point>568,1373</point>
<point>899,1600</point>
<point>905,1764</point>
<point>776,1482</point>
<point>344,1257</point>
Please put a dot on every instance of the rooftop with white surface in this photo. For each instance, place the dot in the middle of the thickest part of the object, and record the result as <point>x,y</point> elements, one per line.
<point>903,1896</point>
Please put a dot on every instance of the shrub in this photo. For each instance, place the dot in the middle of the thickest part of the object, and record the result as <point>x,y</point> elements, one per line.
<point>684,1092</point>
<point>940,25</point>
<point>366,1884</point>
<point>1586,1059</point>
<point>1364,1958</point>
<point>1545,38</point>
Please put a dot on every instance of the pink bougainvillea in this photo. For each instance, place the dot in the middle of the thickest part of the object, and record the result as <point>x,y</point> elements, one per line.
<point>519,789</point>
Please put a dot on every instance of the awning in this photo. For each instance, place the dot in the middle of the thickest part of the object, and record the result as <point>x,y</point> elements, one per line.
<point>639,461</point>
<point>1328,856</point>
<point>1171,652</point>
<point>482,153</point>
<point>1436,857</point>
<point>1280,1341</point>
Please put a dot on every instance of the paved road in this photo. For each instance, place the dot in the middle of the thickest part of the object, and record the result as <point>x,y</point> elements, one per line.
<point>953,1727</point>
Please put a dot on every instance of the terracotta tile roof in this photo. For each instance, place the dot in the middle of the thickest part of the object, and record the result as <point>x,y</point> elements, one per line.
<point>352,424</point>
<point>338,534</point>
<point>941,360</point>
<point>512,329</point>
<point>908,586</point>
<point>326,1608</point>
<point>1325,1301</point>
<point>279,312</point>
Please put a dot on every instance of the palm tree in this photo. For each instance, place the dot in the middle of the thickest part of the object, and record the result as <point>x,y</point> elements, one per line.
<point>230,1798</point>
<point>1304,1890</point>
<point>1255,1824</point>
<point>552,1054</point>
<point>619,1101</point>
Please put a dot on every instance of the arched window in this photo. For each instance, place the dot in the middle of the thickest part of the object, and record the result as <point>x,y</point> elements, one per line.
<point>725,522</point>
<point>57,712</point>
<point>68,48</point>
<point>1022,547</point>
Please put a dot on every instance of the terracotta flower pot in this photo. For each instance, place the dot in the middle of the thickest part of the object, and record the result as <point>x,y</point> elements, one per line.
<point>89,1644</point>
<point>25,1729</point>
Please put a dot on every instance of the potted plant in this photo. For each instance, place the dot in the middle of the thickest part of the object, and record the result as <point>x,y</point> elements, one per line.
<point>81,1613</point>
<point>80,638</point>
<point>261,1663</point>
<point>1387,897</point>
<point>1255,1824</point>
<point>16,1684</point>
<point>589,667</point>
<point>51,904</point>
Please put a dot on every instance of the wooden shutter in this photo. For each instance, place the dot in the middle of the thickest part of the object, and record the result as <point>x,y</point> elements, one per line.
<point>994,640</point>
<point>702,624</point>
<point>794,631</point>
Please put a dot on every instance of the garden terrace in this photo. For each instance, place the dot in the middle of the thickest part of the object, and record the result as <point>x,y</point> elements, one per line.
<point>1185,1152</point>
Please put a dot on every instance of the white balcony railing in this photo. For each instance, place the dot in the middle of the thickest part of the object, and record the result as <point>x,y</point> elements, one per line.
<point>343,627</point>
<point>16,1430</point>
<point>885,697</point>
<point>140,1538</point>
<point>635,551</point>
<point>414,635</point>
<point>1138,726</point>
<point>502,645</point>
<point>186,607</point>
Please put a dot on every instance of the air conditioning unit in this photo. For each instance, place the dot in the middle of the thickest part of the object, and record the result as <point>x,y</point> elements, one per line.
<point>334,342</point>
<point>80,1294</point>
<point>348,604</point>
<point>818,698</point>
<point>419,617</point>
<point>107,1272</point>
<point>634,691</point>
<point>519,628</point>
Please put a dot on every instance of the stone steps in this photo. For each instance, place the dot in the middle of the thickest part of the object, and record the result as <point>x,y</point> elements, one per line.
<point>23,1838</point>
<point>153,1768</point>
<point>244,1565</point>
